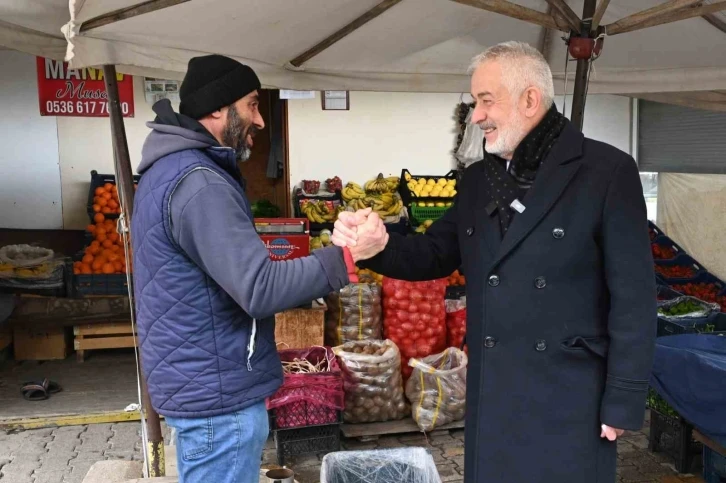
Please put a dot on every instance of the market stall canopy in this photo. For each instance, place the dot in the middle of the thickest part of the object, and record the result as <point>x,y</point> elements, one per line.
<point>389,45</point>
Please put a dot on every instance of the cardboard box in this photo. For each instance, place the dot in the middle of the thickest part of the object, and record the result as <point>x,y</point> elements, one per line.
<point>41,344</point>
<point>300,328</point>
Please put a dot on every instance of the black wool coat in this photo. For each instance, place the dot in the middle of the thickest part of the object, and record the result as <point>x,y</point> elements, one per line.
<point>561,313</point>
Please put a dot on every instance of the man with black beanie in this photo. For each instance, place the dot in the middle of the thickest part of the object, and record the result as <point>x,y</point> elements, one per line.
<point>206,290</point>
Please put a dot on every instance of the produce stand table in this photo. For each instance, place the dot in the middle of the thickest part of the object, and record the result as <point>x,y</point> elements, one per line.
<point>373,430</point>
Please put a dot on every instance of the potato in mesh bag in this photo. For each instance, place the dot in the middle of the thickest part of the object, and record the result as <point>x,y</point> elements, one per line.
<point>437,389</point>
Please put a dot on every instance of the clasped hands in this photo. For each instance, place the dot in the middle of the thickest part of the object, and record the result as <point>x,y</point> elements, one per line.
<point>363,232</point>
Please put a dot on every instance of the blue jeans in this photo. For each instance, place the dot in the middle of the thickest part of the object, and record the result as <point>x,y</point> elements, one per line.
<point>221,449</point>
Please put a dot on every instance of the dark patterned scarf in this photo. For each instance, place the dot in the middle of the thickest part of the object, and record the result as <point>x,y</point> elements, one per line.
<point>506,186</point>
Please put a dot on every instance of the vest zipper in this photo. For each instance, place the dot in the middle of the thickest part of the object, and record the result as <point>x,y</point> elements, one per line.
<point>251,345</point>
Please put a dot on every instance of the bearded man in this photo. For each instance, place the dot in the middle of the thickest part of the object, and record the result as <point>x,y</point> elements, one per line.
<point>550,228</point>
<point>204,284</point>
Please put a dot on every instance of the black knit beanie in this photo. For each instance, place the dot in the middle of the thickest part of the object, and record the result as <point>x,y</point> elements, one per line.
<point>213,82</point>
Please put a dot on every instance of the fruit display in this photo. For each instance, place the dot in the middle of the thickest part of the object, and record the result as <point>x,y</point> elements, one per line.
<point>708,292</point>
<point>437,389</point>
<point>311,187</point>
<point>333,184</point>
<point>456,279</point>
<point>321,211</point>
<point>424,226</point>
<point>378,194</point>
<point>105,254</point>
<point>106,200</point>
<point>369,276</point>
<point>321,241</point>
<point>414,317</point>
<point>662,252</point>
<point>420,187</point>
<point>372,382</point>
<point>354,313</point>
<point>675,271</point>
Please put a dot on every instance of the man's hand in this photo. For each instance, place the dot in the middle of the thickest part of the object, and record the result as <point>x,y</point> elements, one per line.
<point>611,433</point>
<point>363,232</point>
<point>345,233</point>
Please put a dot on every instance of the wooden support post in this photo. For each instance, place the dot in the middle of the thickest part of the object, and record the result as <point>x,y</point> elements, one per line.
<point>125,184</point>
<point>583,66</point>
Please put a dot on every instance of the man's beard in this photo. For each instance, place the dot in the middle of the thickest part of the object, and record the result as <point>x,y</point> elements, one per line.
<point>508,137</point>
<point>235,134</point>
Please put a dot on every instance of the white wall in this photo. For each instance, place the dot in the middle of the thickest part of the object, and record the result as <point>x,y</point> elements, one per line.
<point>85,145</point>
<point>385,132</point>
<point>30,190</point>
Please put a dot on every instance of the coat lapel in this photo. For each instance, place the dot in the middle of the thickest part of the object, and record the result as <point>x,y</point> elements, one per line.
<point>557,170</point>
<point>489,223</point>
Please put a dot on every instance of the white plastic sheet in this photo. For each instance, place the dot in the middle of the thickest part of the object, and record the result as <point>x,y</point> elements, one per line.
<point>403,465</point>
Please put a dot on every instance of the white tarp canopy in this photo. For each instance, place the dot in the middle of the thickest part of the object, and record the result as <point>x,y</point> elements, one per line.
<point>415,45</point>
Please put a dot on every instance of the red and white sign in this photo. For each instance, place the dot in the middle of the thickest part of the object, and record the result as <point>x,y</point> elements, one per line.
<point>79,92</point>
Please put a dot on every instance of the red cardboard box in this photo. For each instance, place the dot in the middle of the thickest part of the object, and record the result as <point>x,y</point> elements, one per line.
<point>285,238</point>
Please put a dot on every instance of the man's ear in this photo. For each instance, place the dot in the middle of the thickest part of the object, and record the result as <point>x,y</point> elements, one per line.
<point>532,101</point>
<point>218,114</point>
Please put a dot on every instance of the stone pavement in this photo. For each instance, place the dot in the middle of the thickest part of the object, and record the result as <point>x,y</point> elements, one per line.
<point>64,455</point>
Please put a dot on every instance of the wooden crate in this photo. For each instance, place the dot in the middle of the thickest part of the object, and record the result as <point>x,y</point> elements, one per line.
<point>112,335</point>
<point>41,344</point>
<point>301,328</point>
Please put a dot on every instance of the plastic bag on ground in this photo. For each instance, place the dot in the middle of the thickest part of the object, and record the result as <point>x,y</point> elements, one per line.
<point>403,465</point>
<point>437,389</point>
<point>354,313</point>
<point>372,381</point>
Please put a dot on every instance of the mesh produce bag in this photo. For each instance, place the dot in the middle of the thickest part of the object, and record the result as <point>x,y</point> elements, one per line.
<point>372,382</point>
<point>456,323</point>
<point>403,465</point>
<point>437,389</point>
<point>354,313</point>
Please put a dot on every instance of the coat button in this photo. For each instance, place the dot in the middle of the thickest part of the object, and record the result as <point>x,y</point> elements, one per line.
<point>540,282</point>
<point>494,280</point>
<point>558,233</point>
<point>541,345</point>
<point>490,342</point>
<point>470,231</point>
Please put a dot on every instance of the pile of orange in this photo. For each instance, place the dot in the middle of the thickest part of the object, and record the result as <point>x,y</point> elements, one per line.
<point>106,199</point>
<point>456,280</point>
<point>105,254</point>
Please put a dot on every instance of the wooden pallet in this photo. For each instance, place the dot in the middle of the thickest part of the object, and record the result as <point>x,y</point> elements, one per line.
<point>112,335</point>
<point>373,430</point>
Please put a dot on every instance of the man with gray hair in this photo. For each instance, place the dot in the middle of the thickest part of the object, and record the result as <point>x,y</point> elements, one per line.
<point>551,230</point>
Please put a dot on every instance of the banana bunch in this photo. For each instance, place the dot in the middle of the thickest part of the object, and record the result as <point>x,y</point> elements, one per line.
<point>320,212</point>
<point>386,204</point>
<point>424,226</point>
<point>381,185</point>
<point>353,191</point>
<point>431,188</point>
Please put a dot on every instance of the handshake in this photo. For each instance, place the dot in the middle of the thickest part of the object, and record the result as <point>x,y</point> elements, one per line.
<point>363,232</point>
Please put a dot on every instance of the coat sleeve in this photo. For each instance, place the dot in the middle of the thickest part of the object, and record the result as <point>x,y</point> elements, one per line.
<point>432,255</point>
<point>632,319</point>
<point>211,223</point>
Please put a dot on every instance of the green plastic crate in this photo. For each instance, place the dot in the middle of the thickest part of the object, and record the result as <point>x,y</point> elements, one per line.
<point>419,214</point>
